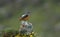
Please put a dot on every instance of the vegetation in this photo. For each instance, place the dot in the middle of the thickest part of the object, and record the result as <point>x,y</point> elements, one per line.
<point>44,17</point>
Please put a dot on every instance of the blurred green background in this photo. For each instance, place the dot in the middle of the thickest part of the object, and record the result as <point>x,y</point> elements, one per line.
<point>45,16</point>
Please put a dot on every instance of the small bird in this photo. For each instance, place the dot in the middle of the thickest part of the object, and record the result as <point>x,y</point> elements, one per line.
<point>25,16</point>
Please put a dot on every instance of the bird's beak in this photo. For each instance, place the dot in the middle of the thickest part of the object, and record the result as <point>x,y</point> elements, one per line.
<point>20,18</point>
